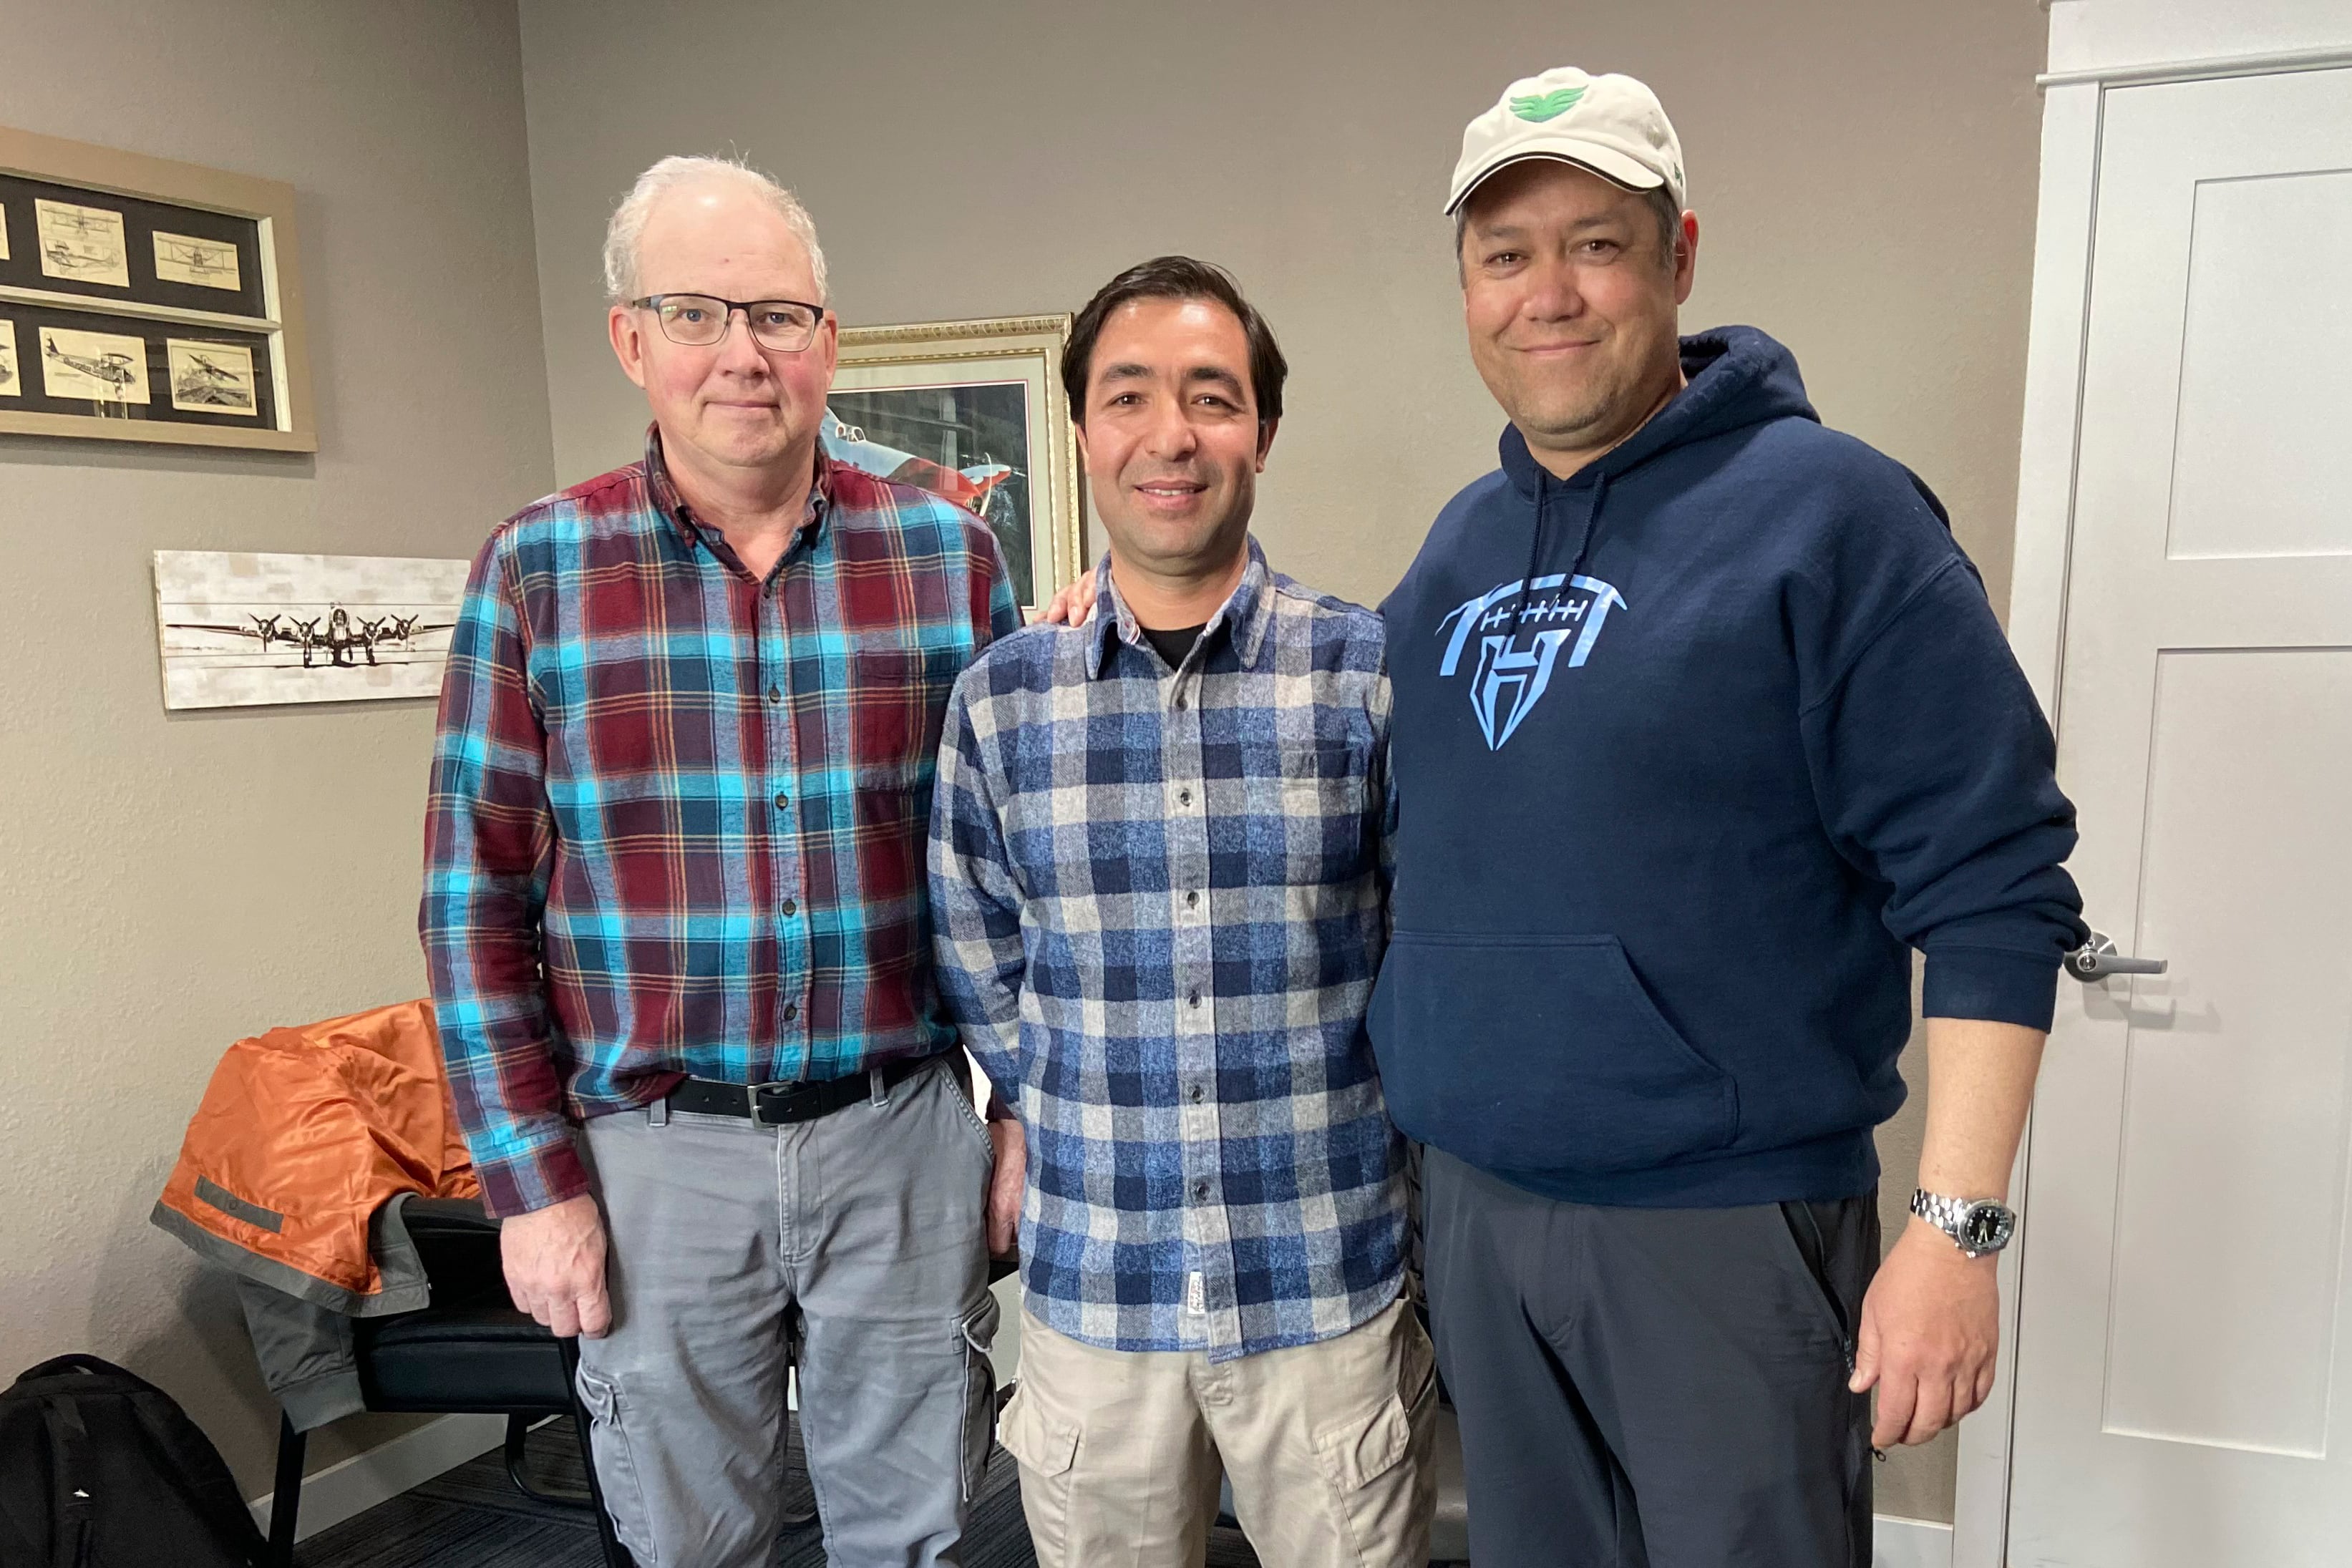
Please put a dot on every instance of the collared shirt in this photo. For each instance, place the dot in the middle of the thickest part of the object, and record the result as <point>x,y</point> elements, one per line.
<point>1160,898</point>
<point>676,814</point>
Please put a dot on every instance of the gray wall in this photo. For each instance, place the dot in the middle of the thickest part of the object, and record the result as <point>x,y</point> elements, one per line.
<point>168,884</point>
<point>1863,173</point>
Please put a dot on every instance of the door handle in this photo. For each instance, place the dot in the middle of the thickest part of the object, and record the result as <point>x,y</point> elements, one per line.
<point>2097,959</point>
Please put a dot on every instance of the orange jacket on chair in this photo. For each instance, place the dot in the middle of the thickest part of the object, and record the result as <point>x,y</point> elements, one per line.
<point>303,1136</point>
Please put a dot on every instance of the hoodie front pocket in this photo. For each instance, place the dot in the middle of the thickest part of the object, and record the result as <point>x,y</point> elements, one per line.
<point>1540,1053</point>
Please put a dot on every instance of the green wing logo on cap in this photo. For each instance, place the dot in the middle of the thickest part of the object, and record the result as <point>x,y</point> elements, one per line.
<point>1538,108</point>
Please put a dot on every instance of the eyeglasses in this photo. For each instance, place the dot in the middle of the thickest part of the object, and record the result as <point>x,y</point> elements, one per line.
<point>699,320</point>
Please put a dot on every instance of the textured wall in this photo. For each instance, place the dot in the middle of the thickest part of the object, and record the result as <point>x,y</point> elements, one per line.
<point>1864,174</point>
<point>169,883</point>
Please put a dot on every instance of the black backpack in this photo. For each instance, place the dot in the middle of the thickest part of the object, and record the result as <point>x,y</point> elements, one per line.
<point>102,1469</point>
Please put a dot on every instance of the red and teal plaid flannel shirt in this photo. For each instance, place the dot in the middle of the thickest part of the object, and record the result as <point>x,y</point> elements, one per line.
<point>677,816</point>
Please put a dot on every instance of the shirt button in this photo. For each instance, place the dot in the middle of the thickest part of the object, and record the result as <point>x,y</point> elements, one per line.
<point>783,801</point>
<point>792,1011</point>
<point>1196,1094</point>
<point>1180,703</point>
<point>790,908</point>
<point>1200,1189</point>
<point>774,696</point>
<point>1194,998</point>
<point>1183,797</point>
<point>1191,899</point>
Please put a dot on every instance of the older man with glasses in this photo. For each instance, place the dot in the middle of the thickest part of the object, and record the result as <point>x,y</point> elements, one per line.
<point>675,915</point>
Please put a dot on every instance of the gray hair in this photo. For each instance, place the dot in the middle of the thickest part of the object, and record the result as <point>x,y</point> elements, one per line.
<point>1664,210</point>
<point>628,223</point>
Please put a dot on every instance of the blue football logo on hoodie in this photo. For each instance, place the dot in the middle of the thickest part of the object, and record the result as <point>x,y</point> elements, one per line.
<point>1510,679</point>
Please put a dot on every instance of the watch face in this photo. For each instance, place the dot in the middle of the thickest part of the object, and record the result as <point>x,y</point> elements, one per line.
<point>1987,1228</point>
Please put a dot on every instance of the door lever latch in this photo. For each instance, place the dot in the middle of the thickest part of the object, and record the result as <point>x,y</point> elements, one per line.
<point>2097,959</point>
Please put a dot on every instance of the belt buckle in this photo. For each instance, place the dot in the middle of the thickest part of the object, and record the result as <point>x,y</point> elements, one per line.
<point>751,1093</point>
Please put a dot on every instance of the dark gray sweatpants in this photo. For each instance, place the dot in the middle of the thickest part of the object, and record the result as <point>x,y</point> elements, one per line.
<point>1652,1387</point>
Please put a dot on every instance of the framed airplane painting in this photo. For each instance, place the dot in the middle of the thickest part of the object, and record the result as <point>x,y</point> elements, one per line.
<point>972,411</point>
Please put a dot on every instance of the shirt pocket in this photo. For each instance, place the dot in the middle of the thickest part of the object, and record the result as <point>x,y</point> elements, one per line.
<point>1305,821</point>
<point>896,702</point>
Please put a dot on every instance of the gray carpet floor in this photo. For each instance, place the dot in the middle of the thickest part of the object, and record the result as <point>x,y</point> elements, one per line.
<point>472,1517</point>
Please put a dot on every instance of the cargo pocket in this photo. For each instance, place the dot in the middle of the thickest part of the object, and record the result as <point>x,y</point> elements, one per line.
<point>616,1468</point>
<point>976,1331</point>
<point>1378,1469</point>
<point>1042,1441</point>
<point>1046,1445</point>
<point>1357,1454</point>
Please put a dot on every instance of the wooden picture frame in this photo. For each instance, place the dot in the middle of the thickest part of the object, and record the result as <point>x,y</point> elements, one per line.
<point>932,401</point>
<point>149,301</point>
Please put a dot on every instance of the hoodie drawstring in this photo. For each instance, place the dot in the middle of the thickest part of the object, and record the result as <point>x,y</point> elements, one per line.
<point>1535,545</point>
<point>1592,525</point>
<point>1535,550</point>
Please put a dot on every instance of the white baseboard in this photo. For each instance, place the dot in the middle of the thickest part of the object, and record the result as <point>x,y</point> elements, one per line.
<point>353,1486</point>
<point>1910,1543</point>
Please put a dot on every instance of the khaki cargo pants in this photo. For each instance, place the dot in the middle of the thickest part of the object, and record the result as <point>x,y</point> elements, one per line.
<point>1326,1446</point>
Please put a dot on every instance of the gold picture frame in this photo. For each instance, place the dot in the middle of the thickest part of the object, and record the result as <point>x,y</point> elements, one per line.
<point>973,410</point>
<point>146,299</point>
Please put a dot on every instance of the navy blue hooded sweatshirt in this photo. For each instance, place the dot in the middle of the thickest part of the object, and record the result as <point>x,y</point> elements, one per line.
<point>1689,752</point>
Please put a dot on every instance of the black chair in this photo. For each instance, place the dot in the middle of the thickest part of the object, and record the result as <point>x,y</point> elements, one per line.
<point>470,1352</point>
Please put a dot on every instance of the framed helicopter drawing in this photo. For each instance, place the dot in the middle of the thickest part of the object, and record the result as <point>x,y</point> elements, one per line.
<point>972,411</point>
<point>144,300</point>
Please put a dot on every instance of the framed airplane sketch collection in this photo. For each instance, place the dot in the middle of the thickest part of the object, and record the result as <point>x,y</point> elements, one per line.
<point>144,300</point>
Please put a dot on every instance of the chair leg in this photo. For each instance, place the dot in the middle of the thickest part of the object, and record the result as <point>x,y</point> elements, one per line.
<point>286,1501</point>
<point>797,1518</point>
<point>518,1429</point>
<point>518,1468</point>
<point>615,1554</point>
<point>794,1336</point>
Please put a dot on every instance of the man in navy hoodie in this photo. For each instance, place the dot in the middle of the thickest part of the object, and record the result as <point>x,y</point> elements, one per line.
<point>1702,724</point>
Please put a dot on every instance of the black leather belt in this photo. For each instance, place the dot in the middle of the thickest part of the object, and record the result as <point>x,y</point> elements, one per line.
<point>779,1103</point>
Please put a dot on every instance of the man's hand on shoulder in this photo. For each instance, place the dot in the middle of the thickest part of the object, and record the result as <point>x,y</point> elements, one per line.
<point>1930,1330</point>
<point>1073,603</point>
<point>554,1259</point>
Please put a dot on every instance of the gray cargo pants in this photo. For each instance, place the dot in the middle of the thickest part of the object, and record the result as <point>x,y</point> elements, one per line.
<point>870,1219</point>
<point>1652,1387</point>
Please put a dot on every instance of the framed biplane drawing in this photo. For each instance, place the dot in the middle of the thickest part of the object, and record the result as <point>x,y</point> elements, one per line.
<point>972,411</point>
<point>143,299</point>
<point>239,631</point>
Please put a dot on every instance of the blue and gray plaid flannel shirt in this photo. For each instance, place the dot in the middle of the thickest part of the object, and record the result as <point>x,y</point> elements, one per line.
<point>1160,906</point>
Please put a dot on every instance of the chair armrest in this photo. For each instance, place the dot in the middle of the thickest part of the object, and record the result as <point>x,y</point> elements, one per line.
<point>447,1217</point>
<point>458,1245</point>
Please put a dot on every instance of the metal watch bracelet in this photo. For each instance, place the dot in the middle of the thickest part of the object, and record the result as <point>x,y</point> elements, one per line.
<point>1978,1226</point>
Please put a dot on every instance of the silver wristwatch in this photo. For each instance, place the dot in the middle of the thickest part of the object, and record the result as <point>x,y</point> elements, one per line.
<point>1978,1226</point>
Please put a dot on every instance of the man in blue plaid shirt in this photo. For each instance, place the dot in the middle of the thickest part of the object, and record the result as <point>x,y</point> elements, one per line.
<point>1158,876</point>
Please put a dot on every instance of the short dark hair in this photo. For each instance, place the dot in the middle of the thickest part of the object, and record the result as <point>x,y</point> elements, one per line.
<point>1176,278</point>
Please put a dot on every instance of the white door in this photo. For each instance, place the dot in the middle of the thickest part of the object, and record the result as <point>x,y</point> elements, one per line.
<point>2184,1357</point>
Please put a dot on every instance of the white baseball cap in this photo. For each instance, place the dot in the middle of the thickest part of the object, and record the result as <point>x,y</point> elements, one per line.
<point>1611,125</point>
